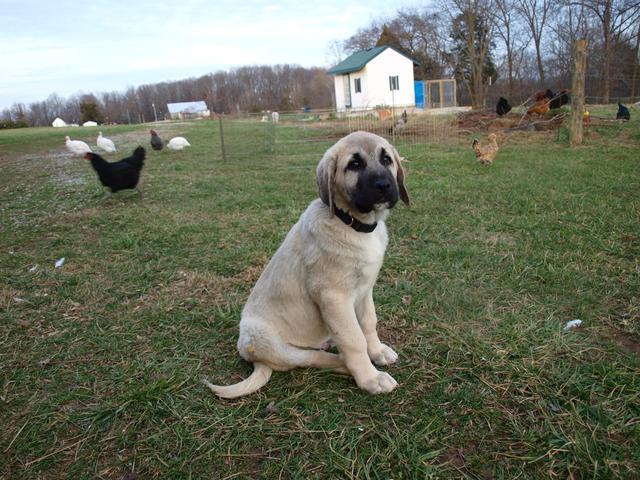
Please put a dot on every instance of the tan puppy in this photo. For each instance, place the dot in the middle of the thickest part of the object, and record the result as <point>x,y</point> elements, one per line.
<point>318,286</point>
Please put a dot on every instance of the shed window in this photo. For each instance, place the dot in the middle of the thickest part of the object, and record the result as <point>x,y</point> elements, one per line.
<point>357,85</point>
<point>394,83</point>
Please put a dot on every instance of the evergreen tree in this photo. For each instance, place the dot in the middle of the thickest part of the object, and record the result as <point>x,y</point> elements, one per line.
<point>467,63</point>
<point>89,111</point>
<point>387,37</point>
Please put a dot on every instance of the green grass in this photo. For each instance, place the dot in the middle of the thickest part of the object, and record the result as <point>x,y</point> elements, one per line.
<point>101,360</point>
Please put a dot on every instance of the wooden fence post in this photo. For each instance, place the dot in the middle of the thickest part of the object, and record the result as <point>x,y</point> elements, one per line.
<point>577,93</point>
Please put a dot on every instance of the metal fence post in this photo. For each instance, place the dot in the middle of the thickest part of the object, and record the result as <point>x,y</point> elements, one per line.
<point>393,118</point>
<point>224,153</point>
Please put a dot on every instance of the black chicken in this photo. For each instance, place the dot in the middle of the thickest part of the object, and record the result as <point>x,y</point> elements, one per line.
<point>560,100</point>
<point>156,141</point>
<point>119,175</point>
<point>503,107</point>
<point>623,113</point>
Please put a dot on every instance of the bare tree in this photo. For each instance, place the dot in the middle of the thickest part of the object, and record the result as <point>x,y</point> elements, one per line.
<point>335,52</point>
<point>512,35</point>
<point>634,77</point>
<point>364,38</point>
<point>536,14</point>
<point>20,113</point>
<point>569,24</point>
<point>423,35</point>
<point>616,18</point>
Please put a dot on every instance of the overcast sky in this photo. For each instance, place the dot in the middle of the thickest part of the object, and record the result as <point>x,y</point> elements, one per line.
<point>68,46</point>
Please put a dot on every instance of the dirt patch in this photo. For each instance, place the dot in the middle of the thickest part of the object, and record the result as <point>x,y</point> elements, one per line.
<point>626,341</point>
<point>396,336</point>
<point>489,121</point>
<point>500,238</point>
<point>503,123</point>
<point>486,120</point>
<point>10,298</point>
<point>493,239</point>
<point>457,457</point>
<point>66,178</point>
<point>56,163</point>
<point>75,311</point>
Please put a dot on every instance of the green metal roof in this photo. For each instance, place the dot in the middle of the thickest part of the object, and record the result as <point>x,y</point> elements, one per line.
<point>358,60</point>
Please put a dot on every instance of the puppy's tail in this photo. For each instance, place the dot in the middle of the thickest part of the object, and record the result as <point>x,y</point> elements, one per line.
<point>254,382</point>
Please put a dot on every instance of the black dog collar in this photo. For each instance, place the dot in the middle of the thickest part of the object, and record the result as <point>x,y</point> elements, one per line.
<point>354,223</point>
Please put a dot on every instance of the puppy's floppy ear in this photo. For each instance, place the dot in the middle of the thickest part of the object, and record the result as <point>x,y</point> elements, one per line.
<point>404,195</point>
<point>325,175</point>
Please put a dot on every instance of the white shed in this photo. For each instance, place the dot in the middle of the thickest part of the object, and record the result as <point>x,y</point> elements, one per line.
<point>58,122</point>
<point>378,76</point>
<point>183,110</point>
<point>89,123</point>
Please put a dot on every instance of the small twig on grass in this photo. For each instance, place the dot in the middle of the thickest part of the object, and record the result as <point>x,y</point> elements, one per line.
<point>44,457</point>
<point>555,117</point>
<point>525,113</point>
<point>233,475</point>
<point>16,436</point>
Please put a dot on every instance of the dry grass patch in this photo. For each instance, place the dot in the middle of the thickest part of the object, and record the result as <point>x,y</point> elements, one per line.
<point>206,289</point>
<point>10,297</point>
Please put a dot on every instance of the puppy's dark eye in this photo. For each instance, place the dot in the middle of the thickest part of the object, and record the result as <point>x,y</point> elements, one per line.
<point>386,160</point>
<point>356,162</point>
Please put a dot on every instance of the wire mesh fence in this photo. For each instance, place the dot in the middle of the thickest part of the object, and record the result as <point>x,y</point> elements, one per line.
<point>311,133</point>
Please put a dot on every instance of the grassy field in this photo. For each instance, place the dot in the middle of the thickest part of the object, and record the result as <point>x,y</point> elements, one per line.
<point>101,360</point>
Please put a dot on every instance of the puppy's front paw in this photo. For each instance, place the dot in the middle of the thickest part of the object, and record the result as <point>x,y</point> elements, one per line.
<point>384,356</point>
<point>382,382</point>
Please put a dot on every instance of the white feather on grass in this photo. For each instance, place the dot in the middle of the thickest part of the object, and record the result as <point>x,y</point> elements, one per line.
<point>572,324</point>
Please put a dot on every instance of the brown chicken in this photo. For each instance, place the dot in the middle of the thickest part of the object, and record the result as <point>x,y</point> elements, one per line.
<point>485,154</point>
<point>541,106</point>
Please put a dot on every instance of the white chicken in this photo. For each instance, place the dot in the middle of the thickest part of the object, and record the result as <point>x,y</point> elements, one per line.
<point>178,143</point>
<point>105,144</point>
<point>77,147</point>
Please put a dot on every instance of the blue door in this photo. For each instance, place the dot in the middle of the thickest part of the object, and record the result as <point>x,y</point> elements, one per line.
<point>418,87</point>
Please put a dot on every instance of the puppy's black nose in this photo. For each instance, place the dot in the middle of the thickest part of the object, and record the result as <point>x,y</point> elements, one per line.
<point>382,184</point>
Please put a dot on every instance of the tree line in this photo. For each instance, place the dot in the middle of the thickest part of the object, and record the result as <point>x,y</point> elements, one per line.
<point>244,89</point>
<point>493,48</point>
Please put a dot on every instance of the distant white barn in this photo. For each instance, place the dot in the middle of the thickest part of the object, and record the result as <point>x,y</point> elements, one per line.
<point>58,122</point>
<point>374,77</point>
<point>183,110</point>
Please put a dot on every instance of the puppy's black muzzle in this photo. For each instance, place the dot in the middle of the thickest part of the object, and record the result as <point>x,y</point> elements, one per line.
<point>375,188</point>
